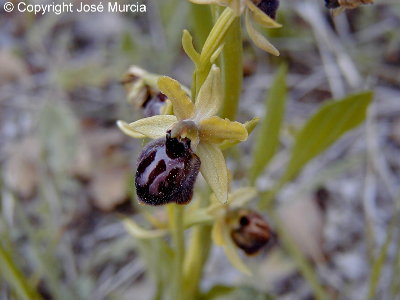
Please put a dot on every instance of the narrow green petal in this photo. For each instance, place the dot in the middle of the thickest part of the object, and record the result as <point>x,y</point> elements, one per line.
<point>153,127</point>
<point>249,125</point>
<point>260,17</point>
<point>141,233</point>
<point>210,98</point>
<point>217,232</point>
<point>187,44</point>
<point>258,39</point>
<point>231,252</point>
<point>183,106</point>
<point>216,130</point>
<point>213,169</point>
<point>125,128</point>
<point>196,217</point>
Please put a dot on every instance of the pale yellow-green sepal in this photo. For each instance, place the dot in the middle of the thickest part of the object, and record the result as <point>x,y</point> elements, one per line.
<point>125,128</point>
<point>213,169</point>
<point>210,97</point>
<point>141,233</point>
<point>260,17</point>
<point>153,127</point>
<point>182,105</point>
<point>231,252</point>
<point>242,196</point>
<point>216,130</point>
<point>217,232</point>
<point>137,93</point>
<point>258,38</point>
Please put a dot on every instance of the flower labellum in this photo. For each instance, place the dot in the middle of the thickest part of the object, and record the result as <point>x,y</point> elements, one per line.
<point>166,172</point>
<point>154,104</point>
<point>269,7</point>
<point>251,232</point>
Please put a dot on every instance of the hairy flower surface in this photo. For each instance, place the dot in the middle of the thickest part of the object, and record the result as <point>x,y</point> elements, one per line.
<point>255,11</point>
<point>197,122</point>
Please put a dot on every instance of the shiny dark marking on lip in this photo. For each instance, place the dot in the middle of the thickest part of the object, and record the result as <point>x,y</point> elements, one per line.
<point>167,170</point>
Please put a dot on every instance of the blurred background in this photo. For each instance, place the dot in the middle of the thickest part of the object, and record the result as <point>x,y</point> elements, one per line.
<point>67,171</point>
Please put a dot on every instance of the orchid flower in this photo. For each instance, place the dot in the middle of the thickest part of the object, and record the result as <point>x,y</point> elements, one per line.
<point>197,122</point>
<point>221,234</point>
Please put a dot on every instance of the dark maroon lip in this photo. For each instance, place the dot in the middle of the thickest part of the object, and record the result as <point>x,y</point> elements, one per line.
<point>167,170</point>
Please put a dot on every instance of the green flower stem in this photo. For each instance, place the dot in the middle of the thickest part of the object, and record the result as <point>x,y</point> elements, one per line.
<point>15,278</point>
<point>197,256</point>
<point>232,70</point>
<point>213,42</point>
<point>176,213</point>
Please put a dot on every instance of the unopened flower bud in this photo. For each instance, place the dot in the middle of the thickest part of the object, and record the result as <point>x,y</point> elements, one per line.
<point>142,91</point>
<point>154,105</point>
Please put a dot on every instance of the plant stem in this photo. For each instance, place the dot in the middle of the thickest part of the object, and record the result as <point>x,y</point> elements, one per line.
<point>232,70</point>
<point>176,223</point>
<point>197,256</point>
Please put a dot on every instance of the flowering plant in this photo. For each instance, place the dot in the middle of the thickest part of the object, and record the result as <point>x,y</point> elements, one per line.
<point>190,137</point>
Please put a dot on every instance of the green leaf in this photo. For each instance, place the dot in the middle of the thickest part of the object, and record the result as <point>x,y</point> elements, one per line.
<point>380,260</point>
<point>324,128</point>
<point>267,141</point>
<point>217,291</point>
<point>14,276</point>
<point>222,292</point>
